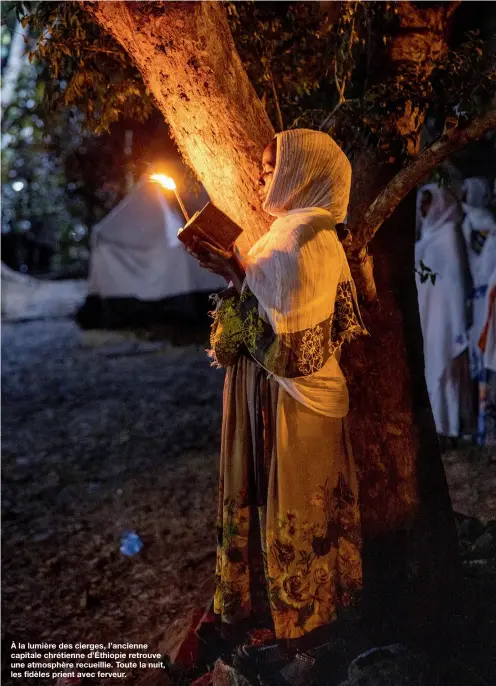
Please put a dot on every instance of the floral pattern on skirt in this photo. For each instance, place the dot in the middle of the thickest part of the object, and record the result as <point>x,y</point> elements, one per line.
<point>293,557</point>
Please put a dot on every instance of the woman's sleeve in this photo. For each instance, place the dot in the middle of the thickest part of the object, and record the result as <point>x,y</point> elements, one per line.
<point>226,333</point>
<point>305,352</point>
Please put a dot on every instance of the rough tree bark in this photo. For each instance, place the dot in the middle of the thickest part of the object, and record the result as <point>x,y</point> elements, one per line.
<point>188,60</point>
<point>411,543</point>
<point>186,54</point>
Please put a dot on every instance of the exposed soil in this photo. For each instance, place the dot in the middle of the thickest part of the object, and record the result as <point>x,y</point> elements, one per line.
<point>471,475</point>
<point>98,440</point>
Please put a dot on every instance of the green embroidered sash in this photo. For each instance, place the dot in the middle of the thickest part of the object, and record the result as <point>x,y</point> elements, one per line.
<point>237,323</point>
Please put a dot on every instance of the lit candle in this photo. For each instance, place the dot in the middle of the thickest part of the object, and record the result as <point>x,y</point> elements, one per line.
<point>170,184</point>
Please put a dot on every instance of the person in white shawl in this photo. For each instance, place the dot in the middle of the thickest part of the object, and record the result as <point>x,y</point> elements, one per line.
<point>442,305</point>
<point>288,527</point>
<point>479,230</point>
<point>487,346</point>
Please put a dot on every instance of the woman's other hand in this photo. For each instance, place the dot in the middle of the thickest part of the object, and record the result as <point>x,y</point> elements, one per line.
<point>222,262</point>
<point>212,258</point>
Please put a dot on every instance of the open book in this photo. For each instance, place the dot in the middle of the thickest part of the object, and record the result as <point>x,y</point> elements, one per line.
<point>212,225</point>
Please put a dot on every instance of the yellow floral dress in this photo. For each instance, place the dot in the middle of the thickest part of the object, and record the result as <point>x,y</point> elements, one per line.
<point>288,530</point>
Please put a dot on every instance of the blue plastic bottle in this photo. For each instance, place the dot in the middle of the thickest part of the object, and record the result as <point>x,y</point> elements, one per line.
<point>131,544</point>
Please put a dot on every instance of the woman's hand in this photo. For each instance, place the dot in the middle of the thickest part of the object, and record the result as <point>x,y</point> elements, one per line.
<point>213,259</point>
<point>222,262</point>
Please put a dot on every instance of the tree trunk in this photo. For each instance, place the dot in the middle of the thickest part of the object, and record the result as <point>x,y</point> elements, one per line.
<point>186,54</point>
<point>188,60</point>
<point>411,543</point>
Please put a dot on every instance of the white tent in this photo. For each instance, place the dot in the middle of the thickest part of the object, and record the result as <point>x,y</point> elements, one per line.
<point>136,253</point>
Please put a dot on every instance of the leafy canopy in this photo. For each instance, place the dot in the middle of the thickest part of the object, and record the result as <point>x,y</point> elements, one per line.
<point>321,65</point>
<point>331,69</point>
<point>88,68</point>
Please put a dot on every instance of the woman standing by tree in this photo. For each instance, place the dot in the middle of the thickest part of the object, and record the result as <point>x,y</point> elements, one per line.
<point>443,307</point>
<point>289,542</point>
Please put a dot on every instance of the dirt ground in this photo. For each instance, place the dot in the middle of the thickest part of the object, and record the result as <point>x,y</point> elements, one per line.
<point>102,435</point>
<point>97,439</point>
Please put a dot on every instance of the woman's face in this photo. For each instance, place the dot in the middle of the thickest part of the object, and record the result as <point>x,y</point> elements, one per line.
<point>268,168</point>
<point>425,203</point>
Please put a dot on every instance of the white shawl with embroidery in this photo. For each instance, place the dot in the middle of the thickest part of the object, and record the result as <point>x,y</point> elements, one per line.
<point>442,304</point>
<point>299,268</point>
<point>477,217</point>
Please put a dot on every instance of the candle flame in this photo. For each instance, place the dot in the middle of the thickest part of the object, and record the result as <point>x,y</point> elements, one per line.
<point>164,181</point>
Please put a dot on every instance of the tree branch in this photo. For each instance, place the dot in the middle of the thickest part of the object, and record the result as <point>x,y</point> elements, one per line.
<point>409,177</point>
<point>451,7</point>
<point>340,86</point>
<point>280,122</point>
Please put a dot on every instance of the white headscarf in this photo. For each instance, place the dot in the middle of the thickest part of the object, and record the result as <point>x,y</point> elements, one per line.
<point>444,208</point>
<point>477,217</point>
<point>296,268</point>
<point>477,191</point>
<point>311,171</point>
<point>440,238</point>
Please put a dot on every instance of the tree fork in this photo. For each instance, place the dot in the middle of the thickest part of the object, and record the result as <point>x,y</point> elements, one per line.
<point>398,188</point>
<point>413,174</point>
